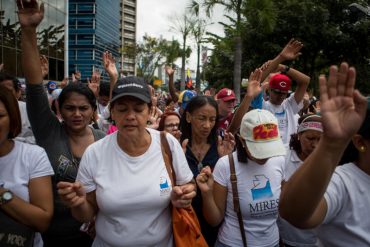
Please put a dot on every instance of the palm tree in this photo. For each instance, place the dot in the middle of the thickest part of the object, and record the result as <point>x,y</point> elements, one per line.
<point>183,25</point>
<point>198,32</point>
<point>235,8</point>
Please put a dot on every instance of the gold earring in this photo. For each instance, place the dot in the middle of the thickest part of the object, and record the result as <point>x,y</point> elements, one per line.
<point>362,149</point>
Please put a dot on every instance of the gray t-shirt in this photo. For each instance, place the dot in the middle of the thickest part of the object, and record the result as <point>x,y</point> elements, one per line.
<point>50,134</point>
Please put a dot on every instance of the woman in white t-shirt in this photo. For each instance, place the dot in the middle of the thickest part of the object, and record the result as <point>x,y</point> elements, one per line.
<point>123,180</point>
<point>301,145</point>
<point>26,204</point>
<point>259,168</point>
<point>320,194</point>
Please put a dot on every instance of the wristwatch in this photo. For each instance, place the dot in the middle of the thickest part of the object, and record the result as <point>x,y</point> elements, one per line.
<point>6,197</point>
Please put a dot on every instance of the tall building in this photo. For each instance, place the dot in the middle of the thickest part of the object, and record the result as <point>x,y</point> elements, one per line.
<point>128,36</point>
<point>94,27</point>
<point>50,38</point>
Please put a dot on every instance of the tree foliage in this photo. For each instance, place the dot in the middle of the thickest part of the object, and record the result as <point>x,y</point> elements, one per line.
<point>330,33</point>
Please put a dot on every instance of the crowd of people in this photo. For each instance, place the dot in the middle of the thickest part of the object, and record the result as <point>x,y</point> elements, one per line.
<point>81,164</point>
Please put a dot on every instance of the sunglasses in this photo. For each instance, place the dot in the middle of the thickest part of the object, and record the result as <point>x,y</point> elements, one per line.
<point>276,91</point>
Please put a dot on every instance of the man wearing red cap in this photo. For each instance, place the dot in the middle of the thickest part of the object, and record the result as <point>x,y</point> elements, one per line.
<point>226,102</point>
<point>283,107</point>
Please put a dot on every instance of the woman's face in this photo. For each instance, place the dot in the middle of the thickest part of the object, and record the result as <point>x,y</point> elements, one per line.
<point>130,115</point>
<point>76,112</point>
<point>202,120</point>
<point>171,124</point>
<point>309,140</point>
<point>4,123</point>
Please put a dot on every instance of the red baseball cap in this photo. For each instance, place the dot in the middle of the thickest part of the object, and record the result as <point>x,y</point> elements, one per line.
<point>226,94</point>
<point>280,82</point>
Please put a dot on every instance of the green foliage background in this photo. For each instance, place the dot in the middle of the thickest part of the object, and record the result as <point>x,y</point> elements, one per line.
<point>329,31</point>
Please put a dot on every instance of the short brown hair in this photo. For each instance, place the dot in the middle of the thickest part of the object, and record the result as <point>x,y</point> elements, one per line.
<point>11,105</point>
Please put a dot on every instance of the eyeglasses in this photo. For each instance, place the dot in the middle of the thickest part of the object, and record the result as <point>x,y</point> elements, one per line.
<point>171,126</point>
<point>279,92</point>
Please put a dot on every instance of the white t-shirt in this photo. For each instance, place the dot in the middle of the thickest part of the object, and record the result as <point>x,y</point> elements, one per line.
<point>286,116</point>
<point>132,193</point>
<point>259,189</point>
<point>22,164</point>
<point>290,234</point>
<point>347,221</point>
<point>26,134</point>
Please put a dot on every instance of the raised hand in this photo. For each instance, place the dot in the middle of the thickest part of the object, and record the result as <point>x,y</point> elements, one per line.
<point>205,180</point>
<point>44,66</point>
<point>72,194</point>
<point>64,82</point>
<point>95,77</point>
<point>110,64</point>
<point>291,50</point>
<point>94,86</point>
<point>254,80</point>
<point>343,108</point>
<point>30,14</point>
<point>265,65</point>
<point>154,118</point>
<point>169,71</point>
<point>225,146</point>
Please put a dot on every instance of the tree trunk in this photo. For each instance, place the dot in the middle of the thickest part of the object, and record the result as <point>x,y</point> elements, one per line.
<point>198,69</point>
<point>182,85</point>
<point>237,66</point>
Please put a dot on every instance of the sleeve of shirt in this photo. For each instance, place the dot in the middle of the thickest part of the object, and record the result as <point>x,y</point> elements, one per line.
<point>221,173</point>
<point>43,121</point>
<point>179,162</point>
<point>257,101</point>
<point>40,164</point>
<point>335,197</point>
<point>86,170</point>
<point>293,104</point>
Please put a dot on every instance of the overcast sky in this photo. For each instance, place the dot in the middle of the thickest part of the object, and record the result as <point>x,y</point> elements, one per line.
<point>153,18</point>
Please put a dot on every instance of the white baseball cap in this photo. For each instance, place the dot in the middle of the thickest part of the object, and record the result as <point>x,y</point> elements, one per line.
<point>259,128</point>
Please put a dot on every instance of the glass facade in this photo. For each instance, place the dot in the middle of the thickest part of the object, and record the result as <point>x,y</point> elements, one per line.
<point>94,27</point>
<point>50,38</point>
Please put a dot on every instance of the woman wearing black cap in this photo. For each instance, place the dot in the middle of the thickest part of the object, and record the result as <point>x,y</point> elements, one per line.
<point>123,180</point>
<point>320,194</point>
<point>64,142</point>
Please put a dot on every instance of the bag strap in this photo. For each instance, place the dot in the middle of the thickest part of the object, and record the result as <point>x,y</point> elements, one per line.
<point>167,157</point>
<point>236,203</point>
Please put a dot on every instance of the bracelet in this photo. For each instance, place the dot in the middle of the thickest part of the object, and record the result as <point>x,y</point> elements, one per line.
<point>286,69</point>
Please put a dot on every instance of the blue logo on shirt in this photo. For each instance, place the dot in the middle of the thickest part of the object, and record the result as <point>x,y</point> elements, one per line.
<point>262,187</point>
<point>280,114</point>
<point>163,184</point>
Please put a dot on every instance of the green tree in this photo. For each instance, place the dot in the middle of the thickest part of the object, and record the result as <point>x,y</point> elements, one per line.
<point>235,9</point>
<point>149,55</point>
<point>329,31</point>
<point>173,52</point>
<point>183,25</point>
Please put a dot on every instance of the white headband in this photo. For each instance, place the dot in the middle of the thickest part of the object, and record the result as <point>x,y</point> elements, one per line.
<point>312,125</point>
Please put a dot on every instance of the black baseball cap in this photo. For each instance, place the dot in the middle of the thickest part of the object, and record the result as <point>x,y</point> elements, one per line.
<point>131,86</point>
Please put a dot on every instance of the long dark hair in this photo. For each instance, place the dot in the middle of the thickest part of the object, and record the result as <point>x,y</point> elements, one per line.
<point>240,150</point>
<point>194,104</point>
<point>79,88</point>
<point>351,153</point>
<point>11,106</point>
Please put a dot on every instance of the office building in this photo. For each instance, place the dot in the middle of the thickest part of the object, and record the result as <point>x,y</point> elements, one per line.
<point>128,36</point>
<point>50,38</point>
<point>94,27</point>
